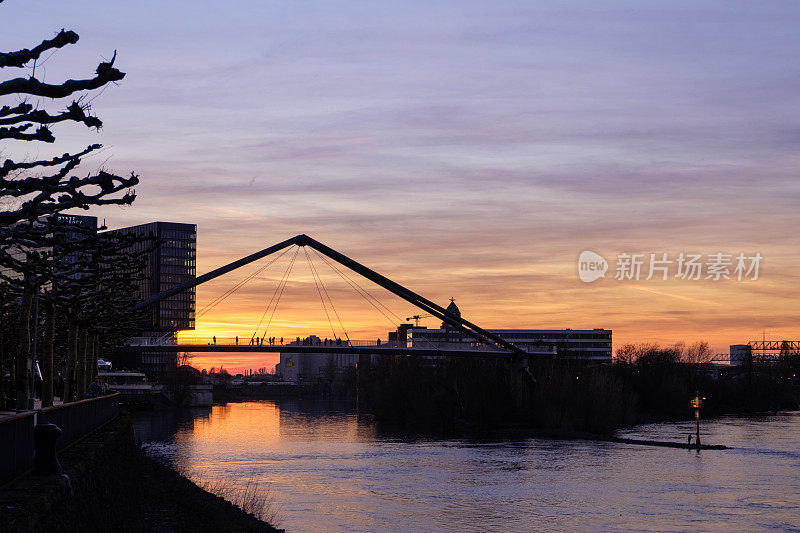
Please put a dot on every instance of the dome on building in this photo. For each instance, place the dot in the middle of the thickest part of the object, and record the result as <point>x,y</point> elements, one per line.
<point>452,310</point>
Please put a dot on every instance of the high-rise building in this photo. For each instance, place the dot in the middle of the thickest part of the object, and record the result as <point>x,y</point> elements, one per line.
<point>72,229</point>
<point>68,229</point>
<point>171,260</point>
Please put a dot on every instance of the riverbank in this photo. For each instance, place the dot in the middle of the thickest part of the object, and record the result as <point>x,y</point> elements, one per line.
<point>109,484</point>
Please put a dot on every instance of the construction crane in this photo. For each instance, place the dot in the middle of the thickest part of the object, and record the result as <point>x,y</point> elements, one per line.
<point>416,318</point>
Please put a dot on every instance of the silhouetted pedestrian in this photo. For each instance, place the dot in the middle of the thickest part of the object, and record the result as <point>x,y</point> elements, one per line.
<point>95,389</point>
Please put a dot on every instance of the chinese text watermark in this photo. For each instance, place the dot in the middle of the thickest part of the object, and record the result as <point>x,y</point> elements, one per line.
<point>685,266</point>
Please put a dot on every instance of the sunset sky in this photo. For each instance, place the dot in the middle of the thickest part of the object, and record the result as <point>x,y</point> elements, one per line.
<point>464,149</point>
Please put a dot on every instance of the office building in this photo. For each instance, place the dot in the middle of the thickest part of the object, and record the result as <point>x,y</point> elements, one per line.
<point>575,344</point>
<point>171,250</point>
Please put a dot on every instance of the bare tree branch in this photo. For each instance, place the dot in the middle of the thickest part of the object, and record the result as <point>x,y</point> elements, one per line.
<point>105,73</point>
<point>70,196</point>
<point>20,57</point>
<point>10,166</point>
<point>23,107</point>
<point>74,112</point>
<point>42,133</point>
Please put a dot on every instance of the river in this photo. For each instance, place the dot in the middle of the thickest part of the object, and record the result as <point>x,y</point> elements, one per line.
<point>328,470</point>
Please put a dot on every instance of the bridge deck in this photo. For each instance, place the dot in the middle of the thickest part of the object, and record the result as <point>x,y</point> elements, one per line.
<point>355,347</point>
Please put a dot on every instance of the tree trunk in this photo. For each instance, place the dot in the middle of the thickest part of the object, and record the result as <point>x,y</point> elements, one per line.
<point>12,368</point>
<point>2,371</point>
<point>24,350</point>
<point>80,368</point>
<point>89,357</point>
<point>95,354</point>
<point>72,361</point>
<point>47,355</point>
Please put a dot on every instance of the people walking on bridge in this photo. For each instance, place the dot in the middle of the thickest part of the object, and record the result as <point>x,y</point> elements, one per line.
<point>237,340</point>
<point>214,339</point>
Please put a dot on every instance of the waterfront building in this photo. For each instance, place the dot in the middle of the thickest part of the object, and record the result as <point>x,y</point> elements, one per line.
<point>73,228</point>
<point>304,367</point>
<point>171,250</point>
<point>740,354</point>
<point>69,229</point>
<point>570,344</point>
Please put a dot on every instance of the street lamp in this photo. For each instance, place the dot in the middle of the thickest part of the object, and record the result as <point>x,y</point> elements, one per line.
<point>697,403</point>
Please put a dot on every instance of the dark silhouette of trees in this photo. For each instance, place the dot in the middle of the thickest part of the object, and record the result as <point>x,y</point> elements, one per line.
<point>648,353</point>
<point>33,190</point>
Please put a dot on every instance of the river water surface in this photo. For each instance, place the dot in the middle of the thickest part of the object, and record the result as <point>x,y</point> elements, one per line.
<point>328,470</point>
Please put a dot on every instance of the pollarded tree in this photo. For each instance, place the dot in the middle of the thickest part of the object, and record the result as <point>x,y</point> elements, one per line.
<point>98,301</point>
<point>32,188</point>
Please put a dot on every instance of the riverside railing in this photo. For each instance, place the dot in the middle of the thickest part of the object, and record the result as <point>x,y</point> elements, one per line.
<point>75,419</point>
<point>16,445</point>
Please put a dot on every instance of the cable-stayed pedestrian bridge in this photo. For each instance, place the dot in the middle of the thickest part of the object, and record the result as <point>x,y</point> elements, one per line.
<point>327,346</point>
<point>477,342</point>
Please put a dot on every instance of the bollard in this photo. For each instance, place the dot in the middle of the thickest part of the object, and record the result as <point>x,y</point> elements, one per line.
<point>44,445</point>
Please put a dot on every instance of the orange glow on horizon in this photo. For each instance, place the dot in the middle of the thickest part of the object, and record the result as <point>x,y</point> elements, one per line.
<point>503,296</point>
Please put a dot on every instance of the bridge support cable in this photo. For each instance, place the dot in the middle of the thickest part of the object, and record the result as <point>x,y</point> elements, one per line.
<point>279,293</point>
<point>215,273</point>
<point>361,291</point>
<point>423,303</point>
<point>219,299</point>
<point>316,276</point>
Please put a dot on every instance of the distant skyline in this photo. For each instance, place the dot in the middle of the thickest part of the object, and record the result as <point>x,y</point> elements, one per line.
<point>464,149</point>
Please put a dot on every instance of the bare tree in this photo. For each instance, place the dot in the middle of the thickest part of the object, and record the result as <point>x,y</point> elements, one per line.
<point>32,189</point>
<point>699,352</point>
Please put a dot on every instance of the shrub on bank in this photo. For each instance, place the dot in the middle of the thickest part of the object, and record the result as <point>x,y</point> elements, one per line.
<point>556,397</point>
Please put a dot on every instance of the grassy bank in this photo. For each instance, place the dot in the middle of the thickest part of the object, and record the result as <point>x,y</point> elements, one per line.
<point>110,485</point>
